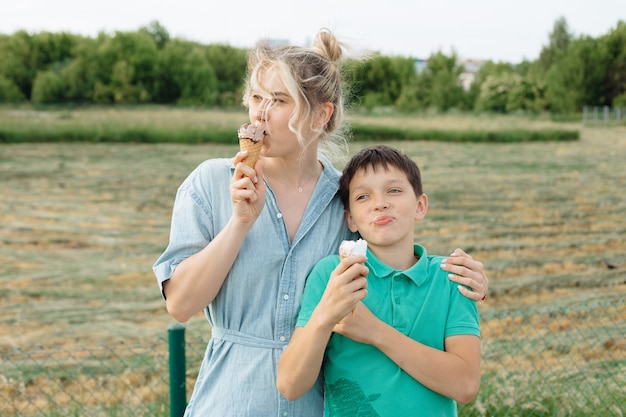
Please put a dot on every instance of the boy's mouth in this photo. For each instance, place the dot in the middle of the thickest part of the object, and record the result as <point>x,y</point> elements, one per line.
<point>381,220</point>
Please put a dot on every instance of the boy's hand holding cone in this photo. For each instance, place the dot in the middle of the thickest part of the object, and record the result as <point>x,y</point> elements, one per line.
<point>351,248</point>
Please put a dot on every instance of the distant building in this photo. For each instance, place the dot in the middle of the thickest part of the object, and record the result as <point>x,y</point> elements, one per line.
<point>420,65</point>
<point>277,42</point>
<point>471,67</point>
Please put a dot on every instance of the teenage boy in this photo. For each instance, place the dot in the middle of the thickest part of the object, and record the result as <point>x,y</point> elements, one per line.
<point>393,334</point>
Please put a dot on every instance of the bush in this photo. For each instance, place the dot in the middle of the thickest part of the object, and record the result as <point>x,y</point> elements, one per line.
<point>493,94</point>
<point>48,88</point>
<point>620,101</point>
<point>9,91</point>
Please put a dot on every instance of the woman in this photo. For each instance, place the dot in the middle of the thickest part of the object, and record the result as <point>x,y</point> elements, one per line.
<point>242,252</point>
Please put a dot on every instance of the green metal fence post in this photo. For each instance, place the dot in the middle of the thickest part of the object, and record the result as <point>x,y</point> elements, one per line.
<point>178,392</point>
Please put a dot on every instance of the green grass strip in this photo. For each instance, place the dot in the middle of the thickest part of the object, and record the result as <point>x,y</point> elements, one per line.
<point>127,135</point>
<point>386,133</point>
<point>360,133</point>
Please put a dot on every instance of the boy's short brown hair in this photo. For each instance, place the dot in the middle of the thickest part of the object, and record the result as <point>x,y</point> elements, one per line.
<point>380,156</point>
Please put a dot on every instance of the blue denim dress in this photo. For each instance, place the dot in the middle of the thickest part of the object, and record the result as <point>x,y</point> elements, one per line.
<point>253,316</point>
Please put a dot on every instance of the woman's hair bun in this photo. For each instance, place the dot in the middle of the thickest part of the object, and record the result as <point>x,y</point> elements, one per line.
<point>327,45</point>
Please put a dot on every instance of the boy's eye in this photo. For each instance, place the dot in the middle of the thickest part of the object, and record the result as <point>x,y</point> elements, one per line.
<point>360,197</point>
<point>395,190</point>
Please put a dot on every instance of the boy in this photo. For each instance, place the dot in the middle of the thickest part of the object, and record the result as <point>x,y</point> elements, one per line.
<point>394,335</point>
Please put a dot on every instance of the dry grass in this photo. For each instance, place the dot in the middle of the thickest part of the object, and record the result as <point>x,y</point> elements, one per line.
<point>161,117</point>
<point>83,223</point>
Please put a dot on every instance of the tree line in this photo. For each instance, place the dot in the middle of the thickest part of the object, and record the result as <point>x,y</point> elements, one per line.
<point>149,66</point>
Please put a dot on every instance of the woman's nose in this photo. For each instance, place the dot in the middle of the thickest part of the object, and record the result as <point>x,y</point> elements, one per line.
<point>260,111</point>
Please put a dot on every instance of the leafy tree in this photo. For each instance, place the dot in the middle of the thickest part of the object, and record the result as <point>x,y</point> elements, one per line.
<point>380,80</point>
<point>578,77</point>
<point>48,49</point>
<point>620,101</point>
<point>488,69</point>
<point>9,91</point>
<point>149,66</point>
<point>558,42</point>
<point>49,87</point>
<point>523,68</point>
<point>229,64</point>
<point>184,75</point>
<point>526,94</point>
<point>125,68</point>
<point>197,81</point>
<point>574,70</point>
<point>23,55</point>
<point>157,32</point>
<point>381,85</point>
<point>413,97</point>
<point>508,91</point>
<point>81,73</point>
<point>122,86</point>
<point>166,88</point>
<point>494,92</point>
<point>615,45</point>
<point>15,62</point>
<point>446,91</point>
<point>437,86</point>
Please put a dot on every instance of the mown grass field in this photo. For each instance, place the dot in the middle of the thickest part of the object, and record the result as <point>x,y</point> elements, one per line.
<point>82,224</point>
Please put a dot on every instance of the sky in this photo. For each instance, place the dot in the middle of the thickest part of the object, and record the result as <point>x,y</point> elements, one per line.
<point>497,30</point>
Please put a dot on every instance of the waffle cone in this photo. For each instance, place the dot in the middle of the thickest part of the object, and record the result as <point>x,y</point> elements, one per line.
<point>253,148</point>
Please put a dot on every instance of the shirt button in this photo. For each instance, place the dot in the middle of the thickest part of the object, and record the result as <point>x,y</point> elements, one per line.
<point>279,215</point>
<point>285,413</point>
<point>282,338</point>
<point>285,297</point>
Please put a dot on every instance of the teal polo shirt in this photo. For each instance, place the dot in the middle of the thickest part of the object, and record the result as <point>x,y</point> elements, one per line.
<point>420,302</point>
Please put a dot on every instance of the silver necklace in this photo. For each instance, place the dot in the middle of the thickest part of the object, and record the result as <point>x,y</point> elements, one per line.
<point>299,188</point>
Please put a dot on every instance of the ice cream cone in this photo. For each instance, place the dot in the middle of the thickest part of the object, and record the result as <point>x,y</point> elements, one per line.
<point>253,148</point>
<point>251,140</point>
<point>351,248</point>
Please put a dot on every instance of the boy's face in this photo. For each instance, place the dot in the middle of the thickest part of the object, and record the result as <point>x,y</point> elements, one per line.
<point>384,207</point>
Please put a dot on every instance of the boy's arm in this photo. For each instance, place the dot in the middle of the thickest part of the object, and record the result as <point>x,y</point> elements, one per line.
<point>301,361</point>
<point>454,372</point>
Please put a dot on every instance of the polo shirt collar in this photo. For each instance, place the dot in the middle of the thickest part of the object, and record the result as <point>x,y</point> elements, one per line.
<point>418,273</point>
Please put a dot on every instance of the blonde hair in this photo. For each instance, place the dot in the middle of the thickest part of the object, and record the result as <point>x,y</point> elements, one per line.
<point>312,76</point>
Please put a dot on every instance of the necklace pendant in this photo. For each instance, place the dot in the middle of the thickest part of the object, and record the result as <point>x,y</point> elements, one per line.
<point>299,189</point>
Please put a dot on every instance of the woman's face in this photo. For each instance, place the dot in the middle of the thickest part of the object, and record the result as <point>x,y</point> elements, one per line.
<point>271,106</point>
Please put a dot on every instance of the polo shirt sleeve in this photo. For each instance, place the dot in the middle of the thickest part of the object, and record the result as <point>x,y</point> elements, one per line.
<point>462,315</point>
<point>314,288</point>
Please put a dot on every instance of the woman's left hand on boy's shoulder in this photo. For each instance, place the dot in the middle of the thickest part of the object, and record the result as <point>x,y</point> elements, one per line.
<point>468,272</point>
